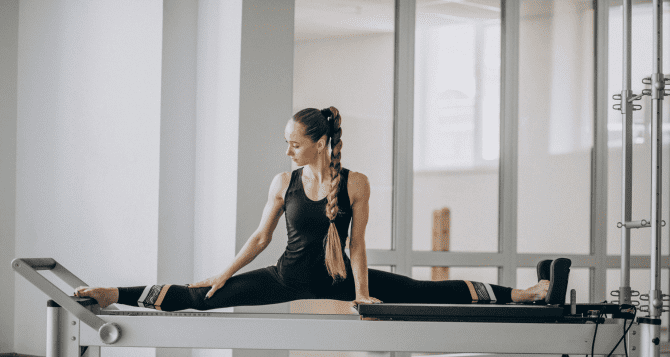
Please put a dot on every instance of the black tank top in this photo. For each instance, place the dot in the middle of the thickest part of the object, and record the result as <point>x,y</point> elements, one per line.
<point>307,226</point>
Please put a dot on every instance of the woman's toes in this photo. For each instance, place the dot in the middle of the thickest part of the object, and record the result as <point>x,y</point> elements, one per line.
<point>79,290</point>
<point>104,296</point>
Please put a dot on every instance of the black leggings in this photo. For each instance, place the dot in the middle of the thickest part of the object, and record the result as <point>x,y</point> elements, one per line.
<point>265,286</point>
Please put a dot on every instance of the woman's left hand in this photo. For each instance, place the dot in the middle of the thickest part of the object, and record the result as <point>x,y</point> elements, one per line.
<point>366,300</point>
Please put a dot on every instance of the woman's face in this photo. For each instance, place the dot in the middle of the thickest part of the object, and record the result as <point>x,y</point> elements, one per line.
<point>301,148</point>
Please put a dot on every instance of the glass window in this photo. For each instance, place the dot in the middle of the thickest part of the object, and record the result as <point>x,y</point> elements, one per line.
<point>343,57</point>
<point>555,126</point>
<point>580,279</point>
<point>457,123</point>
<point>642,57</point>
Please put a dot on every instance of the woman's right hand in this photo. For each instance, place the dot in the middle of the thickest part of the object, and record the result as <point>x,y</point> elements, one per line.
<point>216,282</point>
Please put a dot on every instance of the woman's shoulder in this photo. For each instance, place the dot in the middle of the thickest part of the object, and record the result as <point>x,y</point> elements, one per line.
<point>280,183</point>
<point>358,186</point>
<point>356,177</point>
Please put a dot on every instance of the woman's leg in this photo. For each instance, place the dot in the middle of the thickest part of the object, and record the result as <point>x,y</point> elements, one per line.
<point>257,287</point>
<point>395,288</point>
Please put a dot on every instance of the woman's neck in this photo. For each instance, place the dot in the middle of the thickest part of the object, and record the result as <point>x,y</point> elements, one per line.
<point>319,170</point>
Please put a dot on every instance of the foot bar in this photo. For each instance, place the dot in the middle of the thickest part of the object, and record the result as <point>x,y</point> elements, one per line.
<point>27,267</point>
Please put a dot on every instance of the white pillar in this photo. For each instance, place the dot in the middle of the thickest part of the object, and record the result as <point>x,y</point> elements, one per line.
<point>9,27</point>
<point>265,102</point>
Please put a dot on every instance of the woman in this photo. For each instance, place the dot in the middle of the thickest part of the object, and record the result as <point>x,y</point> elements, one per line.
<point>320,200</point>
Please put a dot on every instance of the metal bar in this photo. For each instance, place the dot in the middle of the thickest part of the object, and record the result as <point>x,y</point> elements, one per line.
<point>403,132</point>
<point>47,287</point>
<point>509,141</point>
<point>381,336</point>
<point>627,155</point>
<point>599,178</point>
<point>463,259</point>
<point>40,263</point>
<point>384,257</point>
<point>658,85</point>
<point>651,329</point>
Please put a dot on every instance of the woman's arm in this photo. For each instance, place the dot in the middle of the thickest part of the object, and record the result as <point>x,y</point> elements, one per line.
<point>359,195</point>
<point>259,240</point>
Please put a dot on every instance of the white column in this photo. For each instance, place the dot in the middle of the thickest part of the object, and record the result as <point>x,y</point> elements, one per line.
<point>177,149</point>
<point>265,105</point>
<point>9,26</point>
<point>266,97</point>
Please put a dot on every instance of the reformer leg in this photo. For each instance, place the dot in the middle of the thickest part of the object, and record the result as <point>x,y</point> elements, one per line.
<point>52,329</point>
<point>63,334</point>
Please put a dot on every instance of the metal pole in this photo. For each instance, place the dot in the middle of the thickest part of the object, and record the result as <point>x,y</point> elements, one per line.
<point>651,328</point>
<point>657,91</point>
<point>627,156</point>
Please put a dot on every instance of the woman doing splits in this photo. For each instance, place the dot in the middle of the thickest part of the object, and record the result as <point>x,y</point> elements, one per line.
<point>321,200</point>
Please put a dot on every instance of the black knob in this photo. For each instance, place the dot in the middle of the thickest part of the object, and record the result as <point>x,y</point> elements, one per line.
<point>656,341</point>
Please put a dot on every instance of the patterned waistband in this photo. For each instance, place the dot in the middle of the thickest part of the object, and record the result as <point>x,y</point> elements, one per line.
<point>481,292</point>
<point>152,296</point>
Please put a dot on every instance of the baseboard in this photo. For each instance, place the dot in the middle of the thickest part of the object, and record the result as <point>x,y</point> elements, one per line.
<point>15,355</point>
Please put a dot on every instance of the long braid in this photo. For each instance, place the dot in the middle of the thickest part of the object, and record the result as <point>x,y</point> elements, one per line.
<point>334,258</point>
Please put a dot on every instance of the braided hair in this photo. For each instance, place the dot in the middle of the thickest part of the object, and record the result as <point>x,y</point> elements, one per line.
<point>318,123</point>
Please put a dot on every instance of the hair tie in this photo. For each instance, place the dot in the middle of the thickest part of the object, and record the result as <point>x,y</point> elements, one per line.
<point>326,113</point>
<point>332,221</point>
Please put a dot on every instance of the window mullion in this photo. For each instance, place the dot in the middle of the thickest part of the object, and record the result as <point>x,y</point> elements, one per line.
<point>509,104</point>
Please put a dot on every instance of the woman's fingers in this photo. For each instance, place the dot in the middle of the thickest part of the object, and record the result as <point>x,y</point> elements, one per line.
<point>367,300</point>
<point>214,288</point>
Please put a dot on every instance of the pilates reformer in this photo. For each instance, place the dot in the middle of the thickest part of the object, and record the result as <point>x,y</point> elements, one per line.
<point>79,327</point>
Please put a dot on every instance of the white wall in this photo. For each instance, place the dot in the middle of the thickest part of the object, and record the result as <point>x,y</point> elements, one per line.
<point>127,143</point>
<point>88,131</point>
<point>9,25</point>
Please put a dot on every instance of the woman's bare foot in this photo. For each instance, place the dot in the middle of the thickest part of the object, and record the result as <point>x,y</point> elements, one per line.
<point>104,296</point>
<point>534,293</point>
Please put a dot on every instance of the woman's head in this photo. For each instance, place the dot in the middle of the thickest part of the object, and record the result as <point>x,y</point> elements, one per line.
<point>308,134</point>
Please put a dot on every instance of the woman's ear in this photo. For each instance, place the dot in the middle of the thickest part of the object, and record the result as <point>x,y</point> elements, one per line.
<point>321,144</point>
